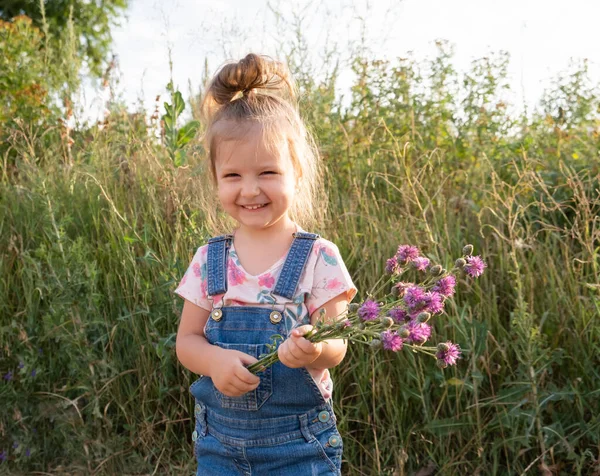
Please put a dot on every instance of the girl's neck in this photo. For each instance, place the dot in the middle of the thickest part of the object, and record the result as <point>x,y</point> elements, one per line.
<point>283,228</point>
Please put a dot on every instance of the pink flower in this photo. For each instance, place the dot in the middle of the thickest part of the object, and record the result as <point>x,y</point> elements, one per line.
<point>398,314</point>
<point>234,274</point>
<point>266,280</point>
<point>334,284</point>
<point>407,253</point>
<point>197,270</point>
<point>475,266</point>
<point>420,263</point>
<point>419,332</point>
<point>391,341</point>
<point>445,286</point>
<point>448,353</point>
<point>391,265</point>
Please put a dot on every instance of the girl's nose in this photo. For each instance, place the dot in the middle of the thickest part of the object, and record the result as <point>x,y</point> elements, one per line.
<point>250,188</point>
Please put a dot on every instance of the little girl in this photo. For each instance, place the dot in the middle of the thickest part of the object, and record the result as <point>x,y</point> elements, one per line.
<point>268,277</point>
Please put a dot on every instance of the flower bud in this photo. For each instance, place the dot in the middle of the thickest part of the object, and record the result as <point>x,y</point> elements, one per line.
<point>375,344</point>
<point>395,291</point>
<point>443,347</point>
<point>441,364</point>
<point>354,306</point>
<point>460,263</point>
<point>467,250</point>
<point>436,270</point>
<point>387,321</point>
<point>404,332</point>
<point>423,316</point>
<point>361,326</point>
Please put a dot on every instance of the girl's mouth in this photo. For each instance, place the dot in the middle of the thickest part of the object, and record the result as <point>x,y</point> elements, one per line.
<point>254,207</point>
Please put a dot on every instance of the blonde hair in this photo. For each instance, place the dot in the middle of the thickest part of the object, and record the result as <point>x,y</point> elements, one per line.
<point>260,90</point>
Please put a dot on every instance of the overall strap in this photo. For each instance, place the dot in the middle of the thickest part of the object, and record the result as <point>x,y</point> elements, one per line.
<point>216,264</point>
<point>294,264</point>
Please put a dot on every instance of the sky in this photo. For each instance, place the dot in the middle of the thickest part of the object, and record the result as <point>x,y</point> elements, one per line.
<point>541,36</point>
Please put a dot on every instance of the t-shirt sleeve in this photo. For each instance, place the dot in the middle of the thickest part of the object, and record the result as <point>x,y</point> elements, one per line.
<point>193,286</point>
<point>331,277</point>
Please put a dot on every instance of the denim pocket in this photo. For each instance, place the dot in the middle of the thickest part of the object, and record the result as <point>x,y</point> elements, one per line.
<point>256,398</point>
<point>330,446</point>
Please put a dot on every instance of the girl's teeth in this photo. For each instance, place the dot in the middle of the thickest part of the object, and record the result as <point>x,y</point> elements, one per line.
<point>254,207</point>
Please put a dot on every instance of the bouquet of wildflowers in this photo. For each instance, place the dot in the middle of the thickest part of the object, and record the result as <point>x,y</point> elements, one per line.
<point>405,320</point>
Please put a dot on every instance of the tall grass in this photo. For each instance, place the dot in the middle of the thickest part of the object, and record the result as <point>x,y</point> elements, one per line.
<point>95,236</point>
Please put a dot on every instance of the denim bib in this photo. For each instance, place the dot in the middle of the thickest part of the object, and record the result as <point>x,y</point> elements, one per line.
<point>284,426</point>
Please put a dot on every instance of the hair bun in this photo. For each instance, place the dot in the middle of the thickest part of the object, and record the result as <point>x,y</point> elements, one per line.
<point>247,76</point>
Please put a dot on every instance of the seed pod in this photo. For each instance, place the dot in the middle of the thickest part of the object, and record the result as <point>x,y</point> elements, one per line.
<point>375,344</point>
<point>354,306</point>
<point>468,250</point>
<point>443,347</point>
<point>441,364</point>
<point>387,321</point>
<point>404,332</point>
<point>436,270</point>
<point>361,326</point>
<point>460,263</point>
<point>423,316</point>
<point>395,291</point>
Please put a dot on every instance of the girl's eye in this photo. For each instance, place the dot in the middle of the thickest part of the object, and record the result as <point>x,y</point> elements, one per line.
<point>230,175</point>
<point>269,172</point>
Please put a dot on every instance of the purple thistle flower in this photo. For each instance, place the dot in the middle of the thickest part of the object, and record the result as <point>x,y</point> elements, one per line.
<point>21,365</point>
<point>391,265</point>
<point>28,452</point>
<point>407,253</point>
<point>420,263</point>
<point>475,266</point>
<point>445,286</point>
<point>414,297</point>
<point>434,302</point>
<point>8,376</point>
<point>33,373</point>
<point>391,341</point>
<point>3,456</point>
<point>369,310</point>
<point>450,355</point>
<point>15,444</point>
<point>420,332</point>
<point>398,314</point>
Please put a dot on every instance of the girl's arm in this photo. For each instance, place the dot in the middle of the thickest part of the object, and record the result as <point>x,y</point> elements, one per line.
<point>332,350</point>
<point>193,350</point>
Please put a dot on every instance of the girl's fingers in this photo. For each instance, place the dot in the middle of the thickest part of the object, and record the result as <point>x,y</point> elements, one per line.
<point>301,330</point>
<point>245,376</point>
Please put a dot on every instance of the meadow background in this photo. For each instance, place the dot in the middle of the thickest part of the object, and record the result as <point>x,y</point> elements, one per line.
<point>99,222</point>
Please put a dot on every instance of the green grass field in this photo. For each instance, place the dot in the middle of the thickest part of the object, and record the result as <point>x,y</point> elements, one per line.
<point>95,234</point>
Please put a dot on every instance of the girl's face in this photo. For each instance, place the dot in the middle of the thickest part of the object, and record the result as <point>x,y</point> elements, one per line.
<point>256,186</point>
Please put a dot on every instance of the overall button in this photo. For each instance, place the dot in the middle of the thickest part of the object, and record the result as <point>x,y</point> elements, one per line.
<point>216,315</point>
<point>197,409</point>
<point>275,317</point>
<point>334,441</point>
<point>324,416</point>
<point>194,435</point>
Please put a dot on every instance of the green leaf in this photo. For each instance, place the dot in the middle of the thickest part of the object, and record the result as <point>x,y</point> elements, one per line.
<point>178,103</point>
<point>180,157</point>
<point>187,133</point>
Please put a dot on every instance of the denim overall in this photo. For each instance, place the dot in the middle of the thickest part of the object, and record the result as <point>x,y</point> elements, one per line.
<point>284,426</point>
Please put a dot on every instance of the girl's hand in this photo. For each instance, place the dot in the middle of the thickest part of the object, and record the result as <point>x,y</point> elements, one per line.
<point>229,373</point>
<point>296,351</point>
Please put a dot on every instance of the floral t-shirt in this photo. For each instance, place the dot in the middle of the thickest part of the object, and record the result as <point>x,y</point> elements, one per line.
<point>324,277</point>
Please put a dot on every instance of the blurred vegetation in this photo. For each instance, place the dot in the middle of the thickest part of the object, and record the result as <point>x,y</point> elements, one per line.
<point>99,225</point>
<point>91,22</point>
